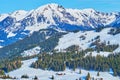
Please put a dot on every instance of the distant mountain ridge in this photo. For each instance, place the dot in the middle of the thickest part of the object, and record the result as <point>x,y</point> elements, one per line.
<point>19,24</point>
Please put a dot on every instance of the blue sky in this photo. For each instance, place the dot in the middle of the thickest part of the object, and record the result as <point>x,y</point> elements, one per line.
<point>7,6</point>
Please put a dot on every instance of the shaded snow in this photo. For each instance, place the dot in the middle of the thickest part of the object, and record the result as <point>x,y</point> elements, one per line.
<point>45,75</point>
<point>1,46</point>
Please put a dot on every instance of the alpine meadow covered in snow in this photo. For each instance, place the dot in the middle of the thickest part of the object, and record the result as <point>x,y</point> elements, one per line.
<point>53,42</point>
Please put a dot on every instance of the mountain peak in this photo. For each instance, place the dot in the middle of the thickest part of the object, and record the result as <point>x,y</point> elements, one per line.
<point>20,14</point>
<point>52,6</point>
<point>89,10</point>
<point>19,11</point>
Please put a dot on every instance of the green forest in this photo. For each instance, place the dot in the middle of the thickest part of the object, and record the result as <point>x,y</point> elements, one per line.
<point>75,59</point>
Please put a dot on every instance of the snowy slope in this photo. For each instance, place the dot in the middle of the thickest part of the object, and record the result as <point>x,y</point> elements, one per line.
<point>76,39</point>
<point>3,16</point>
<point>45,75</point>
<point>31,52</point>
<point>19,15</point>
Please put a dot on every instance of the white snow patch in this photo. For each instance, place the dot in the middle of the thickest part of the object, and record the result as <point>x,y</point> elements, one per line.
<point>36,27</point>
<point>10,34</point>
<point>31,52</point>
<point>24,33</point>
<point>1,40</point>
<point>1,46</point>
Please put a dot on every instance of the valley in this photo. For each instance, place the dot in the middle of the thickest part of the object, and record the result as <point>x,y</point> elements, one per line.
<point>45,74</point>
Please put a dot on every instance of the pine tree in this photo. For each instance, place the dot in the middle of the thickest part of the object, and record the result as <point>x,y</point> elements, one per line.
<point>88,76</point>
<point>98,74</point>
<point>2,72</point>
<point>115,73</point>
<point>35,78</point>
<point>52,77</point>
<point>25,76</point>
<point>80,71</point>
<point>80,79</point>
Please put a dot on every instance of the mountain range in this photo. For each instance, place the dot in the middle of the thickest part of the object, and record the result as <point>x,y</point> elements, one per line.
<point>49,20</point>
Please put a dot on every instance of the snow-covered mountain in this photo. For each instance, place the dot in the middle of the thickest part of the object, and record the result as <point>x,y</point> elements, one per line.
<point>17,25</point>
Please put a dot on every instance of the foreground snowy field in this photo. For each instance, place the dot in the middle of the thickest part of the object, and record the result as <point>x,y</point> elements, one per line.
<point>45,75</point>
